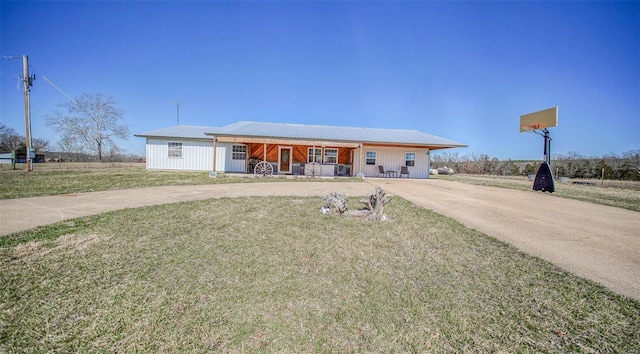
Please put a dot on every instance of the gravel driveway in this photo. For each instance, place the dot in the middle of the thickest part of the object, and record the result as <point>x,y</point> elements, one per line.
<point>594,241</point>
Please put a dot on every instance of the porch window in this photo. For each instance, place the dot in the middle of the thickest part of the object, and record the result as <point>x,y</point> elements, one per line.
<point>174,149</point>
<point>239,152</point>
<point>410,159</point>
<point>331,156</point>
<point>315,155</point>
<point>371,157</point>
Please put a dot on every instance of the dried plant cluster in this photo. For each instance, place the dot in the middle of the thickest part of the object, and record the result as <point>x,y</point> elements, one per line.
<point>338,204</point>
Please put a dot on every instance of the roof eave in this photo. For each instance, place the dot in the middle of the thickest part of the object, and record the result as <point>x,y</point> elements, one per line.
<point>423,145</point>
<point>170,137</point>
<point>336,141</point>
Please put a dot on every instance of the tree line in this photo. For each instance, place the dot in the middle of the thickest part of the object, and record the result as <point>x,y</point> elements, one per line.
<point>11,140</point>
<point>624,166</point>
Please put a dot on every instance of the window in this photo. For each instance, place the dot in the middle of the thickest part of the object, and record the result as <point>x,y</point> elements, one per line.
<point>239,152</point>
<point>371,157</point>
<point>410,158</point>
<point>315,155</point>
<point>175,149</point>
<point>331,156</point>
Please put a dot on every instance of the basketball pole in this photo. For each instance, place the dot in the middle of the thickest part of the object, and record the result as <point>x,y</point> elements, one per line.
<point>544,177</point>
<point>547,146</point>
<point>533,122</point>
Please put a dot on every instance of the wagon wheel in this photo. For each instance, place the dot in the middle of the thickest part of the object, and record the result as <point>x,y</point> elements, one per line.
<point>263,169</point>
<point>313,169</point>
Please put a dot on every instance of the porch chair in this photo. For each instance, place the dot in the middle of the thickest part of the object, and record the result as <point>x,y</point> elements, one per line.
<point>381,172</point>
<point>404,170</point>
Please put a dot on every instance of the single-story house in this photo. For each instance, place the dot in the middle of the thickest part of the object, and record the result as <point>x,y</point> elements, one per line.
<point>340,151</point>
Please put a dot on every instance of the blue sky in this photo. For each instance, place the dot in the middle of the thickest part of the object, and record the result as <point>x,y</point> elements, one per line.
<point>461,70</point>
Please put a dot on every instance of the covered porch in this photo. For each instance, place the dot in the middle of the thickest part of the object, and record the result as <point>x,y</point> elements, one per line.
<point>294,157</point>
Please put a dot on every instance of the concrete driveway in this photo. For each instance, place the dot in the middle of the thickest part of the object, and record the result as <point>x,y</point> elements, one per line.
<point>593,241</point>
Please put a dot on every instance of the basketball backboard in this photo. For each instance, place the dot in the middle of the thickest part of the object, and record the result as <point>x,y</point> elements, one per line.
<point>539,120</point>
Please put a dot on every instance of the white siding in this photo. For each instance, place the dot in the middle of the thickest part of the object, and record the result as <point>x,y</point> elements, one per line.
<point>392,158</point>
<point>225,161</point>
<point>197,155</point>
<point>221,156</point>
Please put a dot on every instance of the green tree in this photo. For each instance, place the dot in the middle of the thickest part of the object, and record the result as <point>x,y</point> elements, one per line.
<point>632,162</point>
<point>585,170</point>
<point>561,171</point>
<point>609,173</point>
<point>530,169</point>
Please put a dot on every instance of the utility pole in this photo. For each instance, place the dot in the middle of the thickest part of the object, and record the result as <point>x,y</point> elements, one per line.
<point>28,82</point>
<point>177,104</point>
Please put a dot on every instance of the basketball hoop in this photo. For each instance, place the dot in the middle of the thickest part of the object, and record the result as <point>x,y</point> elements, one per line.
<point>529,128</point>
<point>539,120</point>
<point>533,122</point>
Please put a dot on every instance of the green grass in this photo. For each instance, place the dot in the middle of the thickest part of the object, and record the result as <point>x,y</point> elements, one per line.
<point>21,184</point>
<point>619,194</point>
<point>275,275</point>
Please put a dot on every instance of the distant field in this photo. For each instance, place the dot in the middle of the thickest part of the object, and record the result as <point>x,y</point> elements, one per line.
<point>620,194</point>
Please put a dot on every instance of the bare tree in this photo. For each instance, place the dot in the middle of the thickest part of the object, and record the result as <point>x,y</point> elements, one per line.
<point>39,145</point>
<point>92,121</point>
<point>633,156</point>
<point>632,164</point>
<point>9,139</point>
<point>69,146</point>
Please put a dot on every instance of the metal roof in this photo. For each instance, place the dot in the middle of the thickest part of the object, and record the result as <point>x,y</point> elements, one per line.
<point>179,131</point>
<point>332,133</point>
<point>305,132</point>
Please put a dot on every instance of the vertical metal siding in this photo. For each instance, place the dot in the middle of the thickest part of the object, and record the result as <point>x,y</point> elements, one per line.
<point>197,155</point>
<point>225,161</point>
<point>392,158</point>
<point>221,157</point>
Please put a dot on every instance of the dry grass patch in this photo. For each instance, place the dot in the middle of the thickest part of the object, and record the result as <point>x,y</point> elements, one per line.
<point>275,275</point>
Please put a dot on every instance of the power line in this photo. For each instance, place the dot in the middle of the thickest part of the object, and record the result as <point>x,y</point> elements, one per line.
<point>56,87</point>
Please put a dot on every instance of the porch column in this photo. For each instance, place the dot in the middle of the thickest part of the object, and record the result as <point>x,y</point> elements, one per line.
<point>265,152</point>
<point>246,159</point>
<point>361,156</point>
<point>215,152</point>
<point>428,163</point>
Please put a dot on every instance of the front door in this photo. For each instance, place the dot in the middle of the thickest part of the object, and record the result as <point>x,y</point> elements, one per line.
<point>285,160</point>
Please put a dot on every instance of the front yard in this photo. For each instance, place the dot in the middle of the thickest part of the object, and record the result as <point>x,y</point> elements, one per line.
<point>275,275</point>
